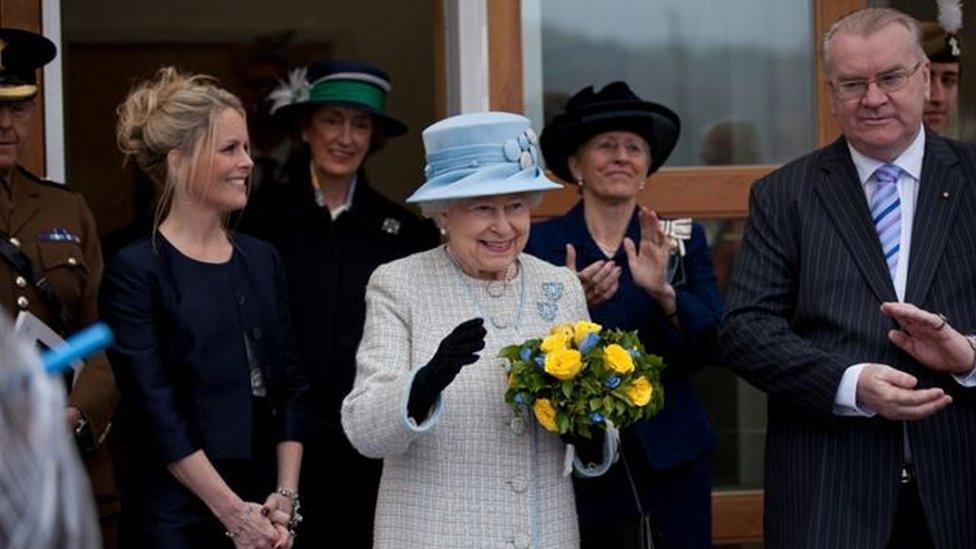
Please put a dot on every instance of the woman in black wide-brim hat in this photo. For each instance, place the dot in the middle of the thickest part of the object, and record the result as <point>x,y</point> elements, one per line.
<point>332,230</point>
<point>639,273</point>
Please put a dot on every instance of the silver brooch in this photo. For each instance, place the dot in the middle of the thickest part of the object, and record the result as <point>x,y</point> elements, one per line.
<point>391,226</point>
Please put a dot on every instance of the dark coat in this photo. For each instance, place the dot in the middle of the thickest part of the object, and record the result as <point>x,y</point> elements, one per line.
<point>803,306</point>
<point>680,433</point>
<point>180,394</point>
<point>328,264</point>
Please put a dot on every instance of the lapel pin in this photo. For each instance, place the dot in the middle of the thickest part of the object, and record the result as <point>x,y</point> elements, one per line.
<point>945,195</point>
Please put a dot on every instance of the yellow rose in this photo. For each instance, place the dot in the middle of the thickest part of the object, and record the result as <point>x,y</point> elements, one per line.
<point>564,363</point>
<point>639,392</point>
<point>582,328</point>
<point>545,413</point>
<point>565,330</point>
<point>617,358</point>
<point>554,342</point>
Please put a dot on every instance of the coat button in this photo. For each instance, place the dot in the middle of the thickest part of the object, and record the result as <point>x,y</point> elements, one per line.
<point>21,282</point>
<point>256,334</point>
<point>519,485</point>
<point>240,299</point>
<point>517,425</point>
<point>72,261</point>
<point>23,302</point>
<point>14,241</point>
<point>522,540</point>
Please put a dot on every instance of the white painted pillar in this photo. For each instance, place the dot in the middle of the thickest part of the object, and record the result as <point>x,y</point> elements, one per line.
<point>466,41</point>
<point>53,95</point>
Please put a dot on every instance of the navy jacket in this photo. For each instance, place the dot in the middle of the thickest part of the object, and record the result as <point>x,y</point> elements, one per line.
<point>181,393</point>
<point>681,431</point>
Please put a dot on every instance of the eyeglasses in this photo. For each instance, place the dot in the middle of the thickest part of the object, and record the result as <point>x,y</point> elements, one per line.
<point>887,83</point>
<point>19,110</point>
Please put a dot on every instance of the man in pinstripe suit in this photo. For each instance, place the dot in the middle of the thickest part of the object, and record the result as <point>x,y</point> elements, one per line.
<point>871,439</point>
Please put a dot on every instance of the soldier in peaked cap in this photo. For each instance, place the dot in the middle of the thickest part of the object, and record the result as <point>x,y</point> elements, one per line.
<point>940,40</point>
<point>50,260</point>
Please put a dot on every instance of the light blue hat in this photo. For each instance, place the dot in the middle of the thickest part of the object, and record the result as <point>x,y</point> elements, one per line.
<point>481,154</point>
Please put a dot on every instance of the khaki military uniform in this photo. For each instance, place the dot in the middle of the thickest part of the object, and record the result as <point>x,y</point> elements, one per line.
<point>53,226</point>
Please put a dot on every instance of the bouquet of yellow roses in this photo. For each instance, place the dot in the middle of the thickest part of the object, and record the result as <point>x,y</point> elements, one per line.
<point>582,376</point>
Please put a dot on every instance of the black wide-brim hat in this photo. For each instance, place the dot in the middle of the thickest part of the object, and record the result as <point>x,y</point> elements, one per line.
<point>337,83</point>
<point>21,54</point>
<point>614,108</point>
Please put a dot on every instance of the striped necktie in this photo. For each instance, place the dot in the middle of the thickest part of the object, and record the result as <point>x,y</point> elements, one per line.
<point>886,213</point>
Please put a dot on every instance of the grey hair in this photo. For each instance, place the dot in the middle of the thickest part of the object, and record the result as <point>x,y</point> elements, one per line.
<point>868,21</point>
<point>433,208</point>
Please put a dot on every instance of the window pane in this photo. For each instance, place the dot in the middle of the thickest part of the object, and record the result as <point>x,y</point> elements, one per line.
<point>737,410</point>
<point>739,73</point>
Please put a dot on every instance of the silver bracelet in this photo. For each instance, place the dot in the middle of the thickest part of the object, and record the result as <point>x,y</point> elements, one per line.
<point>290,494</point>
<point>296,505</point>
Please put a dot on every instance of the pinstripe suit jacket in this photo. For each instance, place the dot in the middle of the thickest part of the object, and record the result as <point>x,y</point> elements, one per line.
<point>803,305</point>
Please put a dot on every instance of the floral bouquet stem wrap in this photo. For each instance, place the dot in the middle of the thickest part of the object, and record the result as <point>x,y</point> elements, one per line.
<point>581,376</point>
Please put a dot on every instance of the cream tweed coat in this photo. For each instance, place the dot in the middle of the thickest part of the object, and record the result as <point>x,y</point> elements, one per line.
<point>474,473</point>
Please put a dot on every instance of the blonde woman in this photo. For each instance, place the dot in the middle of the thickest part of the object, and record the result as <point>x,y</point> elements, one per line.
<point>212,406</point>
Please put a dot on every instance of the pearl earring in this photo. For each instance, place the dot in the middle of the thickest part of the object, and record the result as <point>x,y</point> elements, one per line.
<point>580,182</point>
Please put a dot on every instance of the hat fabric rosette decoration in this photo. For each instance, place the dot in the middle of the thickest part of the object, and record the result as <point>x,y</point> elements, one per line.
<point>582,376</point>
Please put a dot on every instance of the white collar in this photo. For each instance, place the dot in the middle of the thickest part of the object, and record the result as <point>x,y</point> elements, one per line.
<point>910,161</point>
<point>347,205</point>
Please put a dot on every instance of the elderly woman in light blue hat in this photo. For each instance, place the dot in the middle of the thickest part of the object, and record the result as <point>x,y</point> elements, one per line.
<point>461,468</point>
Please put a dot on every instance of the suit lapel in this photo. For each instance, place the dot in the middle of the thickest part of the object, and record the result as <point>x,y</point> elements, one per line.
<point>26,199</point>
<point>938,201</point>
<point>842,195</point>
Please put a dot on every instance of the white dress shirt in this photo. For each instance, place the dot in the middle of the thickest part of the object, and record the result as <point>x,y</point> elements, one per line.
<point>910,162</point>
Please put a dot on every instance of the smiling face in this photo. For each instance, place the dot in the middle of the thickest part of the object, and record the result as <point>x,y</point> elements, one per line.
<point>339,138</point>
<point>612,165</point>
<point>486,235</point>
<point>220,181</point>
<point>878,124</point>
<point>15,120</point>
<point>943,94</point>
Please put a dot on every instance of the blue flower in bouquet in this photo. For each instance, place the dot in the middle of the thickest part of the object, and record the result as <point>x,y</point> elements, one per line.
<point>634,354</point>
<point>525,354</point>
<point>596,417</point>
<point>523,398</point>
<point>590,341</point>
<point>612,382</point>
<point>540,362</point>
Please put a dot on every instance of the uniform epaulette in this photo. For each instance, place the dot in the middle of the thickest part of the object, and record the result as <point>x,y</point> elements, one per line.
<point>46,182</point>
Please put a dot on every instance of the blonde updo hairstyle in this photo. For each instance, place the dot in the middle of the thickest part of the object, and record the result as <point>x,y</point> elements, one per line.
<point>171,112</point>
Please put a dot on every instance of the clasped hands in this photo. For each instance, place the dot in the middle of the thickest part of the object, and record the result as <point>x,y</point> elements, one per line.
<point>928,338</point>
<point>254,526</point>
<point>648,262</point>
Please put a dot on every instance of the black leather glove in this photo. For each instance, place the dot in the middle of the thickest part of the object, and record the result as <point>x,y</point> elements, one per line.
<point>456,351</point>
<point>589,450</point>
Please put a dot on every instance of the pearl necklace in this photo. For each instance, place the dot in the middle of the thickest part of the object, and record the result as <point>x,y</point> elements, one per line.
<point>510,273</point>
